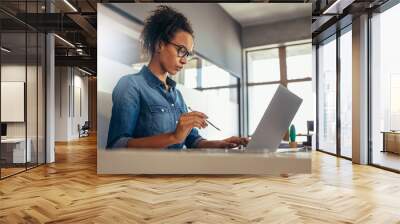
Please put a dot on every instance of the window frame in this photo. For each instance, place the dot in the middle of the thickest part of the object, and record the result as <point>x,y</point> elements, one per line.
<point>283,74</point>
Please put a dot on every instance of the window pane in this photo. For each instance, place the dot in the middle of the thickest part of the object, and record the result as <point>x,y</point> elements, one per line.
<point>346,94</point>
<point>327,97</point>
<point>223,111</point>
<point>263,66</point>
<point>259,99</point>
<point>306,110</point>
<point>299,61</point>
<point>385,87</point>
<point>212,75</point>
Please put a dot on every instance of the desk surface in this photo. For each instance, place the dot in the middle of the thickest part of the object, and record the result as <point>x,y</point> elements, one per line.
<point>207,161</point>
<point>13,140</point>
<point>390,132</point>
<point>300,134</point>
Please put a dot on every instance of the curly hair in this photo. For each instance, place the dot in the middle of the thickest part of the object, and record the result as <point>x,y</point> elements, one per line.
<point>162,25</point>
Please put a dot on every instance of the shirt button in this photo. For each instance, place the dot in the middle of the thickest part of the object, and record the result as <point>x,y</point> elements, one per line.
<point>176,122</point>
<point>162,110</point>
<point>172,105</point>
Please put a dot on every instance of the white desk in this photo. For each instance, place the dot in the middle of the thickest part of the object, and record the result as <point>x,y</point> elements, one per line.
<point>207,161</point>
<point>18,149</point>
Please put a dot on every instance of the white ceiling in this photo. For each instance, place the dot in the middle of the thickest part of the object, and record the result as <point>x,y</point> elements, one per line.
<point>249,14</point>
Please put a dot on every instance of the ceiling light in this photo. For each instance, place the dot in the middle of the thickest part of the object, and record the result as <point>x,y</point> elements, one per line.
<point>337,7</point>
<point>65,41</point>
<point>70,5</point>
<point>84,71</point>
<point>5,50</point>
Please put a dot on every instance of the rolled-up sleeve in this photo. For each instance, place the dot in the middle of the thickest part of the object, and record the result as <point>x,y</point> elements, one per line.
<point>124,115</point>
<point>193,138</point>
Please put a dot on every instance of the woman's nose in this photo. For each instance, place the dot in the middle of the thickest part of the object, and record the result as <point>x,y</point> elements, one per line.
<point>184,60</point>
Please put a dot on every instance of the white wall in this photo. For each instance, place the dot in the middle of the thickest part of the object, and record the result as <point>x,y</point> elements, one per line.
<point>69,82</point>
<point>33,125</point>
<point>277,33</point>
<point>217,35</point>
<point>12,73</point>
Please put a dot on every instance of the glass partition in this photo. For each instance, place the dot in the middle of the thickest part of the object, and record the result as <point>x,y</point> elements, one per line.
<point>13,105</point>
<point>22,91</point>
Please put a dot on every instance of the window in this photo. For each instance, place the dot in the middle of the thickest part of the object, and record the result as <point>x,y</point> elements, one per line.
<point>259,98</point>
<point>385,88</point>
<point>263,66</point>
<point>327,96</point>
<point>298,61</point>
<point>265,74</point>
<point>346,93</point>
<point>306,110</point>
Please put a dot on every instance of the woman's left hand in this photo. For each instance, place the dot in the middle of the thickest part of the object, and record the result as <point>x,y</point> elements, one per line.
<point>233,142</point>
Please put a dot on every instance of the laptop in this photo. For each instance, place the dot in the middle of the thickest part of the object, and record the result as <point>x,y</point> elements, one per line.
<point>272,126</point>
<point>275,121</point>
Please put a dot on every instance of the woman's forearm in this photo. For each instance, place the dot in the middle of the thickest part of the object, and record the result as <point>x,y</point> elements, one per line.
<point>156,141</point>
<point>209,144</point>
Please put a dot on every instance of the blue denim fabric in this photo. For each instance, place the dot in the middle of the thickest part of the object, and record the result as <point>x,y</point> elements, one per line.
<point>142,107</point>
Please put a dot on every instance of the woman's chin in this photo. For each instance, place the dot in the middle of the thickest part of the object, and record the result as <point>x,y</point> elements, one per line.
<point>173,72</point>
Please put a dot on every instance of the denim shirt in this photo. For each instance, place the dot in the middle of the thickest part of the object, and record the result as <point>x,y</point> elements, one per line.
<point>142,107</point>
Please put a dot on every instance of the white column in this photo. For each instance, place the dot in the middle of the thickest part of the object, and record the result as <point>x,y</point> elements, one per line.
<point>314,90</point>
<point>243,96</point>
<point>360,90</point>
<point>50,99</point>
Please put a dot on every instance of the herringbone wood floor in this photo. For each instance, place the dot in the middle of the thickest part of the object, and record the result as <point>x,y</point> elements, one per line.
<point>70,191</point>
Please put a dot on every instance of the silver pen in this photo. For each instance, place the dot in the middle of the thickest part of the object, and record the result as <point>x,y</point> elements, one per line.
<point>207,121</point>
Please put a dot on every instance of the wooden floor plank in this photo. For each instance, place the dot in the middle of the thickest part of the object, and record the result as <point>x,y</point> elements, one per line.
<point>70,191</point>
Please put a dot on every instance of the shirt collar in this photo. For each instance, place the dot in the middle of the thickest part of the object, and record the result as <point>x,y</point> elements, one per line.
<point>152,79</point>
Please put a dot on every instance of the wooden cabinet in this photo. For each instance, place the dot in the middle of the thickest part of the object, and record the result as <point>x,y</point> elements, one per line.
<point>391,142</point>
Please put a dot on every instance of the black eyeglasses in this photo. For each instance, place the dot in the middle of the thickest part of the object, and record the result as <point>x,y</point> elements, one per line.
<point>182,51</point>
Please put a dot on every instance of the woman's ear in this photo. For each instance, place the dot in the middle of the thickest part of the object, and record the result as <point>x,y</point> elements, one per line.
<point>160,46</point>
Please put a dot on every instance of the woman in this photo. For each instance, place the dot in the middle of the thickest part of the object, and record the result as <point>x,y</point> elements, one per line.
<point>148,111</point>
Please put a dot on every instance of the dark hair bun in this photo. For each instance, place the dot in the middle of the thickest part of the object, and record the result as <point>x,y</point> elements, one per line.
<point>162,25</point>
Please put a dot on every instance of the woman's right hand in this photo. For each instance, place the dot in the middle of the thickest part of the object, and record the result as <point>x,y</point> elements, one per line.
<point>186,122</point>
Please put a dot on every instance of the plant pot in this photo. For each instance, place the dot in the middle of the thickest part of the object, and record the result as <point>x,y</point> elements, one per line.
<point>293,144</point>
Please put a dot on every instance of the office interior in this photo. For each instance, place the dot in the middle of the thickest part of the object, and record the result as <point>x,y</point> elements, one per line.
<point>345,70</point>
